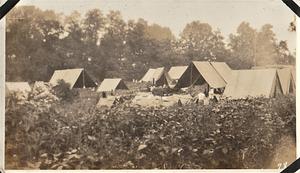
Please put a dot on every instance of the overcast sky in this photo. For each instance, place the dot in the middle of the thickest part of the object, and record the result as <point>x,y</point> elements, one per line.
<point>225,15</point>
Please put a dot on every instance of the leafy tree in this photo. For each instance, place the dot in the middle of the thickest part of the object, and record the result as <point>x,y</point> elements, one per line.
<point>265,46</point>
<point>284,55</point>
<point>32,37</point>
<point>249,48</point>
<point>113,44</point>
<point>159,33</point>
<point>93,24</point>
<point>242,46</point>
<point>39,42</point>
<point>148,50</point>
<point>200,42</point>
<point>92,57</point>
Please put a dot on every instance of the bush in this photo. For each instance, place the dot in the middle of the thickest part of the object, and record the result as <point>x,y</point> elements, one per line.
<point>64,92</point>
<point>227,134</point>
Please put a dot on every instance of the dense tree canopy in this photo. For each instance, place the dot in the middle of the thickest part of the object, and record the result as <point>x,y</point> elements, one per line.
<point>39,42</point>
<point>200,42</point>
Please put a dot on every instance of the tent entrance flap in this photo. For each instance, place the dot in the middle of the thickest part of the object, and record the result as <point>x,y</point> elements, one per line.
<point>122,86</point>
<point>190,77</point>
<point>84,81</point>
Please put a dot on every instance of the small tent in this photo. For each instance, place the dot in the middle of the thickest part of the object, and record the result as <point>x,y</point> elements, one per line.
<point>253,83</point>
<point>199,73</point>
<point>111,85</point>
<point>223,70</point>
<point>17,87</point>
<point>77,78</point>
<point>22,88</point>
<point>106,102</point>
<point>157,76</point>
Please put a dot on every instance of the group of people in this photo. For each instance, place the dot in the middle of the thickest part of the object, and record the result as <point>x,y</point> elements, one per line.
<point>209,95</point>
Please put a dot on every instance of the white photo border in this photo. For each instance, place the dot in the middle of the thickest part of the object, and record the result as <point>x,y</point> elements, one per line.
<point>2,119</point>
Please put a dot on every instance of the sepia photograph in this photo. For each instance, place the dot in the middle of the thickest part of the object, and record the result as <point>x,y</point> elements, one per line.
<point>136,84</point>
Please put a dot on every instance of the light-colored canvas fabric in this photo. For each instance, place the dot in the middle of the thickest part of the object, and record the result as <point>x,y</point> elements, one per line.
<point>252,83</point>
<point>109,85</point>
<point>158,73</point>
<point>148,77</point>
<point>70,76</point>
<point>209,74</point>
<point>285,77</point>
<point>176,72</point>
<point>293,68</point>
<point>106,102</point>
<point>17,87</point>
<point>223,70</point>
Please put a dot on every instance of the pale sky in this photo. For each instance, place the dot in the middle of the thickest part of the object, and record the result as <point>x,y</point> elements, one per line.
<point>224,15</point>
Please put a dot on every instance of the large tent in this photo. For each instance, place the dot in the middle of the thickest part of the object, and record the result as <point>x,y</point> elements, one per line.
<point>77,78</point>
<point>253,83</point>
<point>148,77</point>
<point>223,70</point>
<point>199,73</point>
<point>111,85</point>
<point>11,87</point>
<point>176,72</point>
<point>278,66</point>
<point>157,77</point>
<point>287,76</point>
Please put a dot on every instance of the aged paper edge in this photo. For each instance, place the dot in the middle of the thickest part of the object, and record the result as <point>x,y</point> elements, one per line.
<point>2,119</point>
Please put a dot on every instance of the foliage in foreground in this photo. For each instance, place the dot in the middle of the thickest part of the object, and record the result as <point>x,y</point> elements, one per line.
<point>228,134</point>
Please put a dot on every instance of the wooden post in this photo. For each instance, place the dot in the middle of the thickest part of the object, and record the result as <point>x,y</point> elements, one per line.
<point>83,79</point>
<point>191,77</point>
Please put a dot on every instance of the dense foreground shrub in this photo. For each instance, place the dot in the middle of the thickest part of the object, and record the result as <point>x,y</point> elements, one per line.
<point>227,134</point>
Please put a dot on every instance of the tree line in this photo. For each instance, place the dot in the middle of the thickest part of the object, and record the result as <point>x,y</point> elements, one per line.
<point>41,41</point>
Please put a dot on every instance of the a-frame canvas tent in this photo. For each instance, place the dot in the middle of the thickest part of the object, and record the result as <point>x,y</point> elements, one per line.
<point>253,83</point>
<point>77,78</point>
<point>148,77</point>
<point>286,80</point>
<point>286,74</point>
<point>111,85</point>
<point>278,66</point>
<point>176,72</point>
<point>223,70</point>
<point>198,73</point>
<point>11,87</point>
<point>157,77</point>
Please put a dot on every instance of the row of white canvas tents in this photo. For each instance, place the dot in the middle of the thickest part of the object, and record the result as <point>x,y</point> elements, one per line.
<point>76,78</point>
<point>267,81</point>
<point>214,73</point>
<point>79,78</point>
